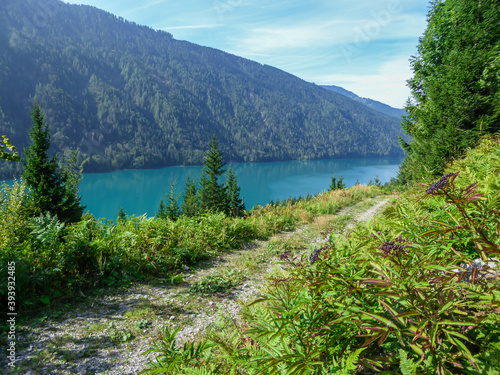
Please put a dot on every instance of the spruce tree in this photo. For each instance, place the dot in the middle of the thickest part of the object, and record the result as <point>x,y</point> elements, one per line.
<point>122,215</point>
<point>455,88</point>
<point>162,210</point>
<point>49,186</point>
<point>212,195</point>
<point>190,204</point>
<point>236,207</point>
<point>337,185</point>
<point>170,209</point>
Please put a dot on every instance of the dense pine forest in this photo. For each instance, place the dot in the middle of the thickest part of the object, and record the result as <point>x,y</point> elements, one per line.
<point>131,97</point>
<point>416,290</point>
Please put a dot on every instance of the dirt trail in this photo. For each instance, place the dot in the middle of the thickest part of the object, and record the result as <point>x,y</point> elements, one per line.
<point>109,334</point>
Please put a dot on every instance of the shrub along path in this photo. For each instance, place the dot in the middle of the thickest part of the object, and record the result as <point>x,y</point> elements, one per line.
<point>108,333</point>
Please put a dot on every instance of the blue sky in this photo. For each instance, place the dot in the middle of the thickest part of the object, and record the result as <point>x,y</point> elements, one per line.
<point>361,45</point>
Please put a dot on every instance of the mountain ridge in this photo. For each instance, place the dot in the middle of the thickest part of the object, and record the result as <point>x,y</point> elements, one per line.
<point>374,104</point>
<point>129,96</point>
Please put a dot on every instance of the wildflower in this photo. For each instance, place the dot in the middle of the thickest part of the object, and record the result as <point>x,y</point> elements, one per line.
<point>442,183</point>
<point>314,256</point>
<point>285,255</point>
<point>396,246</point>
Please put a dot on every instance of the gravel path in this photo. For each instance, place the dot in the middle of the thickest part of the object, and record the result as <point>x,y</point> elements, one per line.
<point>110,333</point>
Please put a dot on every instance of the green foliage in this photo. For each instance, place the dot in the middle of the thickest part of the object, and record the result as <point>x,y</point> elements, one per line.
<point>393,297</point>
<point>52,190</point>
<point>455,90</point>
<point>175,360</point>
<point>212,194</point>
<point>190,202</point>
<point>170,209</point>
<point>46,232</point>
<point>15,206</point>
<point>11,153</point>
<point>220,284</point>
<point>236,206</point>
<point>122,215</point>
<point>336,185</point>
<point>55,260</point>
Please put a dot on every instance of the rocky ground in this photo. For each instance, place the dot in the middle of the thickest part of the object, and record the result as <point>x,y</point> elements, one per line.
<point>108,333</point>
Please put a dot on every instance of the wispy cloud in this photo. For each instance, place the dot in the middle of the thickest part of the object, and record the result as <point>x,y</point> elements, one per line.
<point>141,8</point>
<point>188,27</point>
<point>385,83</point>
<point>328,33</point>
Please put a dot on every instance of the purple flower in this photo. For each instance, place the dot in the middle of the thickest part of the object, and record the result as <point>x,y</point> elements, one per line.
<point>314,256</point>
<point>396,246</point>
<point>442,183</point>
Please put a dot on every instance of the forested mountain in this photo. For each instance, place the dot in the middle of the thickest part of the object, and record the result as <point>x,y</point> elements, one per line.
<point>378,106</point>
<point>131,97</point>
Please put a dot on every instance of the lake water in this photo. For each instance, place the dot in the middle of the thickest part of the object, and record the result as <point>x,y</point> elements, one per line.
<point>140,191</point>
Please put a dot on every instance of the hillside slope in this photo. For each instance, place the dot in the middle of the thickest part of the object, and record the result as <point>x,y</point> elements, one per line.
<point>373,104</point>
<point>132,97</point>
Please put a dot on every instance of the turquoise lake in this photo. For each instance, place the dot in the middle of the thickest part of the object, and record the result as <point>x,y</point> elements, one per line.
<point>140,191</point>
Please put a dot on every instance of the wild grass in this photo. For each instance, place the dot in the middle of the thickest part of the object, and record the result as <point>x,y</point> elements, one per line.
<point>54,261</point>
<point>391,298</point>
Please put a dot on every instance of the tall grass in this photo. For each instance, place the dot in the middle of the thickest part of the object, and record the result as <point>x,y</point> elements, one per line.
<point>53,259</point>
<point>393,297</point>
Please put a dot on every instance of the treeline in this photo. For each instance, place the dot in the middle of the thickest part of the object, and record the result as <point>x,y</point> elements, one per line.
<point>211,196</point>
<point>131,97</point>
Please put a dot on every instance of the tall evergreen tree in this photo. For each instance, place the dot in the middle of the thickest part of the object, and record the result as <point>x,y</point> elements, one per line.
<point>49,186</point>
<point>236,206</point>
<point>455,88</point>
<point>190,204</point>
<point>212,194</point>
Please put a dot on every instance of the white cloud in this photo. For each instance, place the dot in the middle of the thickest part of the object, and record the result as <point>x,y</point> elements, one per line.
<point>387,84</point>
<point>329,33</point>
<point>188,27</point>
<point>133,11</point>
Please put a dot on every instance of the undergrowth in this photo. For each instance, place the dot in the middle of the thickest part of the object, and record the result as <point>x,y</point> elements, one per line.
<point>395,296</point>
<point>53,261</point>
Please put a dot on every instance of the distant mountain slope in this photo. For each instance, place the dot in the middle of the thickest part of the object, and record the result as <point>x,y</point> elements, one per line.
<point>132,97</point>
<point>378,106</point>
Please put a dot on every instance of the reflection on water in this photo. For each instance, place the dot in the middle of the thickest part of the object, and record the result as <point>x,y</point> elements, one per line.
<point>140,191</point>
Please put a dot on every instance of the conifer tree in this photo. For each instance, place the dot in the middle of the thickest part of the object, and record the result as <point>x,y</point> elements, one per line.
<point>337,185</point>
<point>162,210</point>
<point>122,215</point>
<point>170,209</point>
<point>236,207</point>
<point>212,195</point>
<point>190,204</point>
<point>49,186</point>
<point>455,88</point>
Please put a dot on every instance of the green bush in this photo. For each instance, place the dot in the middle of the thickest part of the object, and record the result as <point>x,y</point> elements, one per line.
<point>393,297</point>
